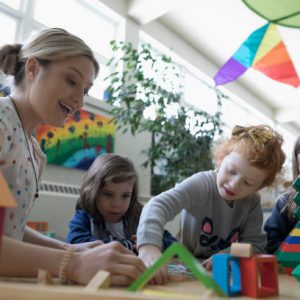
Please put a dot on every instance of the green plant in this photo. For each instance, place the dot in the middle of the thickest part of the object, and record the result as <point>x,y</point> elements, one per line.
<point>182,140</point>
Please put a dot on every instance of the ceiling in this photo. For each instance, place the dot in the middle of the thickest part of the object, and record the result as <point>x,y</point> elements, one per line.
<point>217,28</point>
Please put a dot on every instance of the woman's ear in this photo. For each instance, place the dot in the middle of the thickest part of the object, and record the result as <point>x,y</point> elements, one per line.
<point>31,68</point>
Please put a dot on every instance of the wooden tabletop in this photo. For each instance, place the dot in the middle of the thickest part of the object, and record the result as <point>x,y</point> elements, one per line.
<point>17,290</point>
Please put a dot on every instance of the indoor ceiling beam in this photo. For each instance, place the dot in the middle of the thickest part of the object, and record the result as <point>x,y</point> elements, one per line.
<point>146,11</point>
<point>289,114</point>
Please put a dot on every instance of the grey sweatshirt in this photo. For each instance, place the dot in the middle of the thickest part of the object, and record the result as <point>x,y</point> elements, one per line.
<point>208,223</point>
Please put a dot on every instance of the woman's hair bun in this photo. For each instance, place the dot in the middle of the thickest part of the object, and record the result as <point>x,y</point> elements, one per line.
<point>9,58</point>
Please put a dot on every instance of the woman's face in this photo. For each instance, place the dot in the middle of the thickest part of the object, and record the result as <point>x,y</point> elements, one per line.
<point>57,90</point>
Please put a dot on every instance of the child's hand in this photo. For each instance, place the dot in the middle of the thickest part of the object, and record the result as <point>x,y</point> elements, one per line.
<point>207,264</point>
<point>149,254</point>
<point>84,246</point>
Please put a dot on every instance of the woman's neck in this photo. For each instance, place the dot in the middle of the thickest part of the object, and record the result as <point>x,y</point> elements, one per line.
<point>25,114</point>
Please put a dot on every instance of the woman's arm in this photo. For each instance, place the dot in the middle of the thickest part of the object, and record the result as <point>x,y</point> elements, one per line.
<point>20,259</point>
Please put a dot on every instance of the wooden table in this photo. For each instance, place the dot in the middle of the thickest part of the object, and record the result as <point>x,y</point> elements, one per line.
<point>288,286</point>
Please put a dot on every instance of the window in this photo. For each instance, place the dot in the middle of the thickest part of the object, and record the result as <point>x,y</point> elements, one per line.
<point>89,19</point>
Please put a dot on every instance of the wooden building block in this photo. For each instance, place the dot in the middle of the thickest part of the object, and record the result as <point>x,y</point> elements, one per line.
<point>226,273</point>
<point>241,250</point>
<point>44,277</point>
<point>259,276</point>
<point>100,281</point>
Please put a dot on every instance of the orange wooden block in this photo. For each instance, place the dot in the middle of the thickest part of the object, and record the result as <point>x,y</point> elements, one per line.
<point>259,275</point>
<point>40,226</point>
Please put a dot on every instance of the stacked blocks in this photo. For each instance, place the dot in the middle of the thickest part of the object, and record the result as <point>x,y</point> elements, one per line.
<point>254,276</point>
<point>288,254</point>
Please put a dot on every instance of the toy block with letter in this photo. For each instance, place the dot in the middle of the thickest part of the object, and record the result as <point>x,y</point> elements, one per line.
<point>6,200</point>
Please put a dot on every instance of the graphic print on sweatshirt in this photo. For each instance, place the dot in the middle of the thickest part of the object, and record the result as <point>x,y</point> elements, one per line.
<point>214,242</point>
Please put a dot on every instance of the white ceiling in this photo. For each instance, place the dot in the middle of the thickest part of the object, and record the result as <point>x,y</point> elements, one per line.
<point>216,28</point>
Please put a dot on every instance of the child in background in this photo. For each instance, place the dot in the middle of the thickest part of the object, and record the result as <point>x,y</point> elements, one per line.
<point>108,208</point>
<point>52,72</point>
<point>282,220</point>
<point>220,206</point>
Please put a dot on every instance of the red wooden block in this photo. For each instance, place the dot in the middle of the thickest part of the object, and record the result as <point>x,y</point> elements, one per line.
<point>288,270</point>
<point>259,276</point>
<point>290,247</point>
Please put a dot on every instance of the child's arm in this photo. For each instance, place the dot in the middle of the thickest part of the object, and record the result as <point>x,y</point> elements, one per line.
<point>278,225</point>
<point>20,259</point>
<point>34,237</point>
<point>80,229</point>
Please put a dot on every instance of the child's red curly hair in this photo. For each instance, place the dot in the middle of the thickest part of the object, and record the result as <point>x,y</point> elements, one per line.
<point>260,144</point>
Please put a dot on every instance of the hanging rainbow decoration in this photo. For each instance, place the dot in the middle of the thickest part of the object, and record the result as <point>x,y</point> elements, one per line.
<point>264,51</point>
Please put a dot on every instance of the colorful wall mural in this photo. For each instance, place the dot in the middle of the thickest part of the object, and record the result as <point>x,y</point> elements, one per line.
<point>84,136</point>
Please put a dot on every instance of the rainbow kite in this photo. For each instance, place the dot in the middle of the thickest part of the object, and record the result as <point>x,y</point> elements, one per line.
<point>264,51</point>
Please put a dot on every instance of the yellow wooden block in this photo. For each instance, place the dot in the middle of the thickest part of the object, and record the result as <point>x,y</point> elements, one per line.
<point>44,277</point>
<point>295,232</point>
<point>100,281</point>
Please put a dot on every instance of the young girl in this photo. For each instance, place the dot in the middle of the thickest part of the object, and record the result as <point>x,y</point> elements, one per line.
<point>218,207</point>
<point>108,208</point>
<point>282,220</point>
<point>52,72</point>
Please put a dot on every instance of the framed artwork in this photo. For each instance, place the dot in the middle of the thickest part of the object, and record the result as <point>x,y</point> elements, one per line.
<point>84,136</point>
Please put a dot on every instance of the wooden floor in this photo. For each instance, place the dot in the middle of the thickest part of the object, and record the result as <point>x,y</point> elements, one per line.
<point>16,290</point>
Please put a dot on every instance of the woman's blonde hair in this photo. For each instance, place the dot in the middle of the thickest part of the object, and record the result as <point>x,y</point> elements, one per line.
<point>47,45</point>
<point>260,144</point>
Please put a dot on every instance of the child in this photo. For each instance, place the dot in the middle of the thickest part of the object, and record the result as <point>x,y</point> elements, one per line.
<point>52,72</point>
<point>108,207</point>
<point>218,207</point>
<point>282,220</point>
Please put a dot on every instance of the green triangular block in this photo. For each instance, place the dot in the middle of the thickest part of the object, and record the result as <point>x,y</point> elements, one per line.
<point>296,184</point>
<point>296,273</point>
<point>186,257</point>
<point>297,213</point>
<point>288,259</point>
<point>297,198</point>
<point>297,225</point>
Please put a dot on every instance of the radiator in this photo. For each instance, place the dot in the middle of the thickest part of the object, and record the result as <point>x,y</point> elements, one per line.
<point>55,205</point>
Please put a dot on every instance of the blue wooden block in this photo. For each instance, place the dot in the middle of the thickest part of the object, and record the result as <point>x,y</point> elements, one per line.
<point>292,240</point>
<point>226,273</point>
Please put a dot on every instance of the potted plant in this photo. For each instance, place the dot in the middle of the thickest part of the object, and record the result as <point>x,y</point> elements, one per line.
<point>144,81</point>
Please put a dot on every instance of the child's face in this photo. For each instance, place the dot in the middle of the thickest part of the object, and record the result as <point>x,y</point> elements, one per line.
<point>114,199</point>
<point>237,179</point>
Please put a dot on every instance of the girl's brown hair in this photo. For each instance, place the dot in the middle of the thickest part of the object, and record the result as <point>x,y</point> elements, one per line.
<point>109,168</point>
<point>260,144</point>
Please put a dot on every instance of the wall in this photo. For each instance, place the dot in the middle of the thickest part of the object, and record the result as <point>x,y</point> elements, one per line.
<point>125,145</point>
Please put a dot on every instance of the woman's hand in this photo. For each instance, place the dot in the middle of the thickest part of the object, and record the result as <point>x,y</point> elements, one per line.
<point>149,254</point>
<point>123,266</point>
